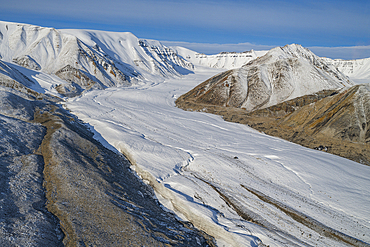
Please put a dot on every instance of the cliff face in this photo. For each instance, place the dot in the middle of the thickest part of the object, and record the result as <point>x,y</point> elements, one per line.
<point>282,74</point>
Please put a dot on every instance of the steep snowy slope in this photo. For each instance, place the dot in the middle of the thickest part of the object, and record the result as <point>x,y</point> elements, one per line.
<point>148,57</point>
<point>88,59</point>
<point>356,69</point>
<point>15,76</point>
<point>223,60</point>
<point>8,75</point>
<point>283,73</point>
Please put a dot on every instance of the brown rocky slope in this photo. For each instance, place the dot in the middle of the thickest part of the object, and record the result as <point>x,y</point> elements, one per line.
<point>282,74</point>
<point>335,121</point>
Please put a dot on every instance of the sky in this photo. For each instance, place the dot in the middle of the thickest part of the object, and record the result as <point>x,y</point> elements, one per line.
<point>212,26</point>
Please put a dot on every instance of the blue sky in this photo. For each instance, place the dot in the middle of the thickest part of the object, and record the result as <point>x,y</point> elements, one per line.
<point>212,26</point>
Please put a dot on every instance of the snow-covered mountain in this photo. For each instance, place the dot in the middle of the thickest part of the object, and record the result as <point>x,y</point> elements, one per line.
<point>356,69</point>
<point>223,60</point>
<point>88,59</point>
<point>281,74</point>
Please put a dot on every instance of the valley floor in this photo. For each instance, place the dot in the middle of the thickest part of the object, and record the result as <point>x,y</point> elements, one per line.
<point>241,186</point>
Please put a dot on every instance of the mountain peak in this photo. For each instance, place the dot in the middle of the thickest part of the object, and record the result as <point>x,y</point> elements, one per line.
<point>281,74</point>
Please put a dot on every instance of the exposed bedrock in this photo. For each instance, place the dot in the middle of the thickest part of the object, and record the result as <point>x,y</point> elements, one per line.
<point>335,121</point>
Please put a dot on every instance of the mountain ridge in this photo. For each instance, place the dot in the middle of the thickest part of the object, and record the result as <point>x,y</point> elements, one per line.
<point>222,60</point>
<point>87,59</point>
<point>355,68</point>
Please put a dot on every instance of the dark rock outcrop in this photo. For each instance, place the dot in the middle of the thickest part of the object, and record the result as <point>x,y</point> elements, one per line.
<point>27,62</point>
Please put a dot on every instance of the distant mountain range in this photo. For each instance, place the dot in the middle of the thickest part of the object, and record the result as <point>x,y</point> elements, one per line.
<point>223,60</point>
<point>85,59</point>
<point>356,69</point>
